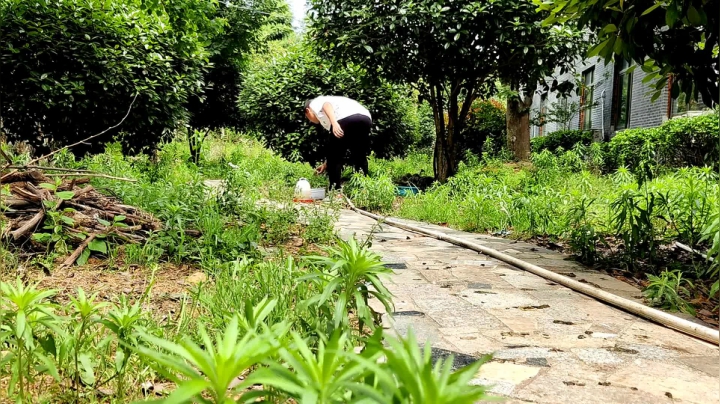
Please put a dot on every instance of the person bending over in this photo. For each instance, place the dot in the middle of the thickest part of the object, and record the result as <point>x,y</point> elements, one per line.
<point>348,124</point>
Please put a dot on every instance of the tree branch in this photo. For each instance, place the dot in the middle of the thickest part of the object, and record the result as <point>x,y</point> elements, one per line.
<point>90,137</point>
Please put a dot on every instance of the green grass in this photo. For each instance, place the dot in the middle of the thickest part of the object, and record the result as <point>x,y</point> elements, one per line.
<point>612,219</point>
<point>263,312</point>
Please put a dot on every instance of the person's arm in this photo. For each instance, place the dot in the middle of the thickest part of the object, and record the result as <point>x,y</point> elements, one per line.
<point>329,111</point>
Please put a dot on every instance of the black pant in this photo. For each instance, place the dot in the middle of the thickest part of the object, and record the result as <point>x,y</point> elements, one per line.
<point>356,141</point>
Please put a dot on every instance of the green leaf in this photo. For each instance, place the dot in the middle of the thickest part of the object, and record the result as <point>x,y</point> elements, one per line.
<point>49,367</point>
<point>119,218</point>
<point>88,374</point>
<point>67,220</point>
<point>83,258</point>
<point>651,8</point>
<point>186,391</point>
<point>694,16</point>
<point>103,222</point>
<point>598,48</point>
<point>98,246</point>
<point>119,360</point>
<point>41,237</point>
<point>610,28</point>
<point>65,195</point>
<point>369,48</point>
<point>45,185</point>
<point>671,15</point>
<point>48,344</point>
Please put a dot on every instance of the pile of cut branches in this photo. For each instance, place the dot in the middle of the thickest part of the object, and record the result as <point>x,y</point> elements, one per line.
<point>39,211</point>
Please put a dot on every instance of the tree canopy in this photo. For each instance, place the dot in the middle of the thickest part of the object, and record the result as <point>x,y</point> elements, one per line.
<point>72,68</point>
<point>677,38</point>
<point>441,47</point>
<point>452,51</point>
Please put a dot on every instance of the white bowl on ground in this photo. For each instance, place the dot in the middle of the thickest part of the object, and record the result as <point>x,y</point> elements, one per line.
<point>317,193</point>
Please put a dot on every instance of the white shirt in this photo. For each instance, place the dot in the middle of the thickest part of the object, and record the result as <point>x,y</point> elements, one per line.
<point>343,106</point>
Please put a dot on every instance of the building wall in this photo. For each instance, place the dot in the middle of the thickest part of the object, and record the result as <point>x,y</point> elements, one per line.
<point>643,112</point>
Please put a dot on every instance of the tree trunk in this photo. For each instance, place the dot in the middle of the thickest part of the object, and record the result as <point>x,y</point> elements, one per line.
<point>518,126</point>
<point>444,161</point>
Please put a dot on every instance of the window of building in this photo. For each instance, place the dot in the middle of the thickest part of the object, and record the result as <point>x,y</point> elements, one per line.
<point>587,99</point>
<point>684,105</point>
<point>623,96</point>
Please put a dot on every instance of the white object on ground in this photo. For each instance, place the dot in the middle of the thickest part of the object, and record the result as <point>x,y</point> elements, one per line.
<point>317,193</point>
<point>303,190</point>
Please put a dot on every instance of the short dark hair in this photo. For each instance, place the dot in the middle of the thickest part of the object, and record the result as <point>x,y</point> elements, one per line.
<point>307,103</point>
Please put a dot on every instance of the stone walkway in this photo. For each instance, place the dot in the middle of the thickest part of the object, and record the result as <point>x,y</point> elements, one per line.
<point>550,344</point>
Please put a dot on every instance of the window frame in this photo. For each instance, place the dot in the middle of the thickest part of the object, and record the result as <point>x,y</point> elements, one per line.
<point>587,92</point>
<point>621,74</point>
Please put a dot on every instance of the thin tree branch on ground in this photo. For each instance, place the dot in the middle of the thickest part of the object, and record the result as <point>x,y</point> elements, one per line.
<point>98,175</point>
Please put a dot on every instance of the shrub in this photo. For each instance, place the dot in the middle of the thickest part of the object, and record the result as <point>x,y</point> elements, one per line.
<point>567,139</point>
<point>691,141</point>
<point>71,69</point>
<point>486,121</point>
<point>272,101</point>
<point>377,194</point>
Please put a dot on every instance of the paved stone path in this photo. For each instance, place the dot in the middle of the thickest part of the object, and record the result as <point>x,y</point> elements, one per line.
<point>550,344</point>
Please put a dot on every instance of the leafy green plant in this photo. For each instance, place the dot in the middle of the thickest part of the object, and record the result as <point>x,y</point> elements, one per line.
<point>212,368</point>
<point>632,220</point>
<point>278,223</point>
<point>123,320</point>
<point>679,142</point>
<point>712,234</point>
<point>328,375</point>
<point>411,375</point>
<point>84,314</point>
<point>567,139</point>
<point>583,237</point>
<point>319,227</point>
<point>349,275</point>
<point>64,60</point>
<point>373,193</point>
<point>485,129</point>
<point>666,291</point>
<point>28,327</point>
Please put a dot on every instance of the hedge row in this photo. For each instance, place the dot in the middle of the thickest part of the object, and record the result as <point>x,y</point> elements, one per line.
<point>567,139</point>
<point>679,142</point>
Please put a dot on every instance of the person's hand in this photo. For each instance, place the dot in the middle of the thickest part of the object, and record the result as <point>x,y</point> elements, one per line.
<point>321,169</point>
<point>337,131</point>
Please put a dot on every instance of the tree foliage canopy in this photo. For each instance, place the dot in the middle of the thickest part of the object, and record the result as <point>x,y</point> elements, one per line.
<point>71,69</point>
<point>453,51</point>
<point>670,37</point>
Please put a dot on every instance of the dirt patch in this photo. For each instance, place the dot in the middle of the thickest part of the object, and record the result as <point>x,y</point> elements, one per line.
<point>171,283</point>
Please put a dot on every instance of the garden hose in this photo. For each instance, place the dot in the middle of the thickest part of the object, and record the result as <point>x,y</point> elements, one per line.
<point>668,320</point>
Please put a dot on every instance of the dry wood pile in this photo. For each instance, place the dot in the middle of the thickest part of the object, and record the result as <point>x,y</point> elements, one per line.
<point>32,203</point>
